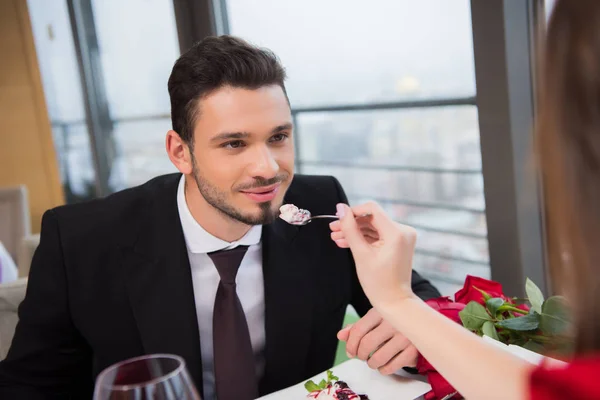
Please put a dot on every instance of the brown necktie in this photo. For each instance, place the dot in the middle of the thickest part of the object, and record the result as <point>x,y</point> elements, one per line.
<point>235,370</point>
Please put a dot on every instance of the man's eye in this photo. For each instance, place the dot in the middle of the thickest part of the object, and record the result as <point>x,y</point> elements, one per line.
<point>236,144</point>
<point>280,137</point>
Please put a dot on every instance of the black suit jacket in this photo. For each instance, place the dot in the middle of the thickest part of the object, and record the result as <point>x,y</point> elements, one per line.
<point>111,280</point>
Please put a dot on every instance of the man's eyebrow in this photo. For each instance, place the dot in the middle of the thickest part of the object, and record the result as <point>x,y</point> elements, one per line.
<point>229,136</point>
<point>243,135</point>
<point>283,127</point>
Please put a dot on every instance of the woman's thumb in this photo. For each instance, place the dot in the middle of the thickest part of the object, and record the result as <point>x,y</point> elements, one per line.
<point>350,228</point>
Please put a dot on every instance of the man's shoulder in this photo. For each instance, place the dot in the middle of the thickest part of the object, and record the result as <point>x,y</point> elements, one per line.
<point>117,209</point>
<point>314,182</point>
<point>317,193</point>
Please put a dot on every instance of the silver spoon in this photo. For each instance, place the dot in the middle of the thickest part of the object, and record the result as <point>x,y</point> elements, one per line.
<point>307,221</point>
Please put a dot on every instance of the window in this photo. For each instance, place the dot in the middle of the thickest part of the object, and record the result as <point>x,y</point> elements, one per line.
<point>137,54</point>
<point>64,97</point>
<point>131,58</point>
<point>366,52</point>
<point>383,97</point>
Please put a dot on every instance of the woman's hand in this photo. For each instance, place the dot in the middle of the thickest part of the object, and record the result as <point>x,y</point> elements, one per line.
<point>382,250</point>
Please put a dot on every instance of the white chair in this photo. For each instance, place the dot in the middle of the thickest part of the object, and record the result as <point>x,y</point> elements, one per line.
<point>11,295</point>
<point>25,255</point>
<point>8,267</point>
<point>15,222</point>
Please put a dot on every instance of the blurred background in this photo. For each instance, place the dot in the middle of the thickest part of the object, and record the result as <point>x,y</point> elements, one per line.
<point>424,106</point>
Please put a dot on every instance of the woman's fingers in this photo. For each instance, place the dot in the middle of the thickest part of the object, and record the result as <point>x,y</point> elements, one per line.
<point>366,231</point>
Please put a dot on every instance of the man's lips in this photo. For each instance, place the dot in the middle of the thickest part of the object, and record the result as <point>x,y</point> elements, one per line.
<point>263,189</point>
<point>262,194</point>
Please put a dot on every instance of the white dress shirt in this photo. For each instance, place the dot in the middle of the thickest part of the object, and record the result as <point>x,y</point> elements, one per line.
<point>249,280</point>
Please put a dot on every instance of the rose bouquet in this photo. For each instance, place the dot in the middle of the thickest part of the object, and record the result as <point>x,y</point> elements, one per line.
<point>537,324</point>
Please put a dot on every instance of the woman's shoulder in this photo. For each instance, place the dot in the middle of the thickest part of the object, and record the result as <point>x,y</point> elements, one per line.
<point>579,379</point>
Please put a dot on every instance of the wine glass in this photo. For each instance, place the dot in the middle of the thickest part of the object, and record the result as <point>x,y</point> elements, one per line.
<point>150,377</point>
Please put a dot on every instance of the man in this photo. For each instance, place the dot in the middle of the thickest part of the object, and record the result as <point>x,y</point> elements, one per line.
<point>142,272</point>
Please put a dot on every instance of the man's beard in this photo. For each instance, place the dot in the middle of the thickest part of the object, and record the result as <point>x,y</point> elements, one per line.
<point>218,200</point>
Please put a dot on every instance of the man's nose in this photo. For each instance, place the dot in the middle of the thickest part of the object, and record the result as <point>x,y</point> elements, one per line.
<point>264,164</point>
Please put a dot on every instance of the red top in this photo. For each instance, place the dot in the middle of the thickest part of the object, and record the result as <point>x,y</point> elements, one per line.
<point>579,380</point>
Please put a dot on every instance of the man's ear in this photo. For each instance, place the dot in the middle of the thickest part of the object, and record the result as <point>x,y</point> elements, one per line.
<point>179,152</point>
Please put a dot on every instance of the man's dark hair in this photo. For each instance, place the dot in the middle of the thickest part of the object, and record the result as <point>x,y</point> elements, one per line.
<point>211,64</point>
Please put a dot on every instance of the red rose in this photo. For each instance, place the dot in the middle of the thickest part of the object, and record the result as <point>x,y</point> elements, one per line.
<point>447,307</point>
<point>440,387</point>
<point>470,293</point>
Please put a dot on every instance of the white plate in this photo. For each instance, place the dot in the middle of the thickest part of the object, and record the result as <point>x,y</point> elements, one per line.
<point>362,380</point>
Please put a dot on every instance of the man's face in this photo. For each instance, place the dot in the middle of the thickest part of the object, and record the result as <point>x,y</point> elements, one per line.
<point>243,153</point>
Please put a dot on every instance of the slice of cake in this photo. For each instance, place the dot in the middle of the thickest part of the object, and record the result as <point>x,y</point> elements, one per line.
<point>332,389</point>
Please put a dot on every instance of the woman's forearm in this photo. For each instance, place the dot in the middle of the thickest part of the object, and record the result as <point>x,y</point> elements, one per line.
<point>478,370</point>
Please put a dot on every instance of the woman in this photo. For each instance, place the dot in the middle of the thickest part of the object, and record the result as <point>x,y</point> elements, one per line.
<point>568,150</point>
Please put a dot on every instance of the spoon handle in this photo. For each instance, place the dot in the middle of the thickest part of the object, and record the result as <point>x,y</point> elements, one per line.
<point>325,216</point>
<point>336,217</point>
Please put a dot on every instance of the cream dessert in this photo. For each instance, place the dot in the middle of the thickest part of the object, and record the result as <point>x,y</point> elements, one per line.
<point>337,391</point>
<point>293,215</point>
<point>332,389</point>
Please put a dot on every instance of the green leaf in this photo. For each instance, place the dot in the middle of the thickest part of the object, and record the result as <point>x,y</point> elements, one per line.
<point>473,316</point>
<point>494,304</point>
<point>534,346</point>
<point>554,319</point>
<point>490,330</point>
<point>331,378</point>
<point>529,322</point>
<point>536,298</point>
<point>311,386</point>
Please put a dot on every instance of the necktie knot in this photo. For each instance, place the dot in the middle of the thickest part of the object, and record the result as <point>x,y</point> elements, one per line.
<point>228,262</point>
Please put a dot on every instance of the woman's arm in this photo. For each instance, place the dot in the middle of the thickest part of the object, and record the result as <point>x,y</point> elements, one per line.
<point>383,252</point>
<point>478,370</point>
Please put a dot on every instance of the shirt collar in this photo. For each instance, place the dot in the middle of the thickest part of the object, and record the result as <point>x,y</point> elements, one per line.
<point>197,239</point>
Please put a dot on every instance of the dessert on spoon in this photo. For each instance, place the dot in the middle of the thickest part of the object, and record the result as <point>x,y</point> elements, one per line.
<point>294,215</point>
<point>299,216</point>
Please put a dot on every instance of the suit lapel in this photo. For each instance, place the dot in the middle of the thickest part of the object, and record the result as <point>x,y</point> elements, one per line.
<point>159,282</point>
<point>288,304</point>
